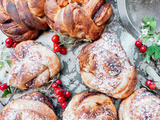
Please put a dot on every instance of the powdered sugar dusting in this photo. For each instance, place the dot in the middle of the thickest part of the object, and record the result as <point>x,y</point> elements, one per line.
<point>145,106</point>
<point>99,115</point>
<point>33,66</point>
<point>111,63</point>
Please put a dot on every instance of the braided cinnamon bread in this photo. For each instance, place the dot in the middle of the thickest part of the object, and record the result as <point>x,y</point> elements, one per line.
<point>141,105</point>
<point>32,65</point>
<point>90,106</point>
<point>32,106</point>
<point>105,67</point>
<point>22,19</point>
<point>78,18</point>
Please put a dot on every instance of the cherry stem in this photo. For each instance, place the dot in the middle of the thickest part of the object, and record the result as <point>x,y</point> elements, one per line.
<point>54,95</point>
<point>2,103</point>
<point>12,95</point>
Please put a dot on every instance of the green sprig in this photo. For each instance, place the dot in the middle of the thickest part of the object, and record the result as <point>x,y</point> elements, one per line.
<point>153,50</point>
<point>2,59</point>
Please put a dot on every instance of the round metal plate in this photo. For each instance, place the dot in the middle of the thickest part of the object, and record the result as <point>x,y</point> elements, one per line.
<point>132,11</point>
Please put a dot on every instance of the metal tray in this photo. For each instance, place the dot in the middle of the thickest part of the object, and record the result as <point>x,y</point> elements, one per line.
<point>132,11</point>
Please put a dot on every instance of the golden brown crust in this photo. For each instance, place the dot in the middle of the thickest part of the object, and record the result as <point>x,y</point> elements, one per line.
<point>33,65</point>
<point>36,96</point>
<point>33,106</point>
<point>141,105</point>
<point>90,106</point>
<point>22,19</point>
<point>78,18</point>
<point>105,67</point>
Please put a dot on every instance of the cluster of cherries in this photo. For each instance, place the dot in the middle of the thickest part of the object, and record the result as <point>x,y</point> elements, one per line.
<point>3,86</point>
<point>62,94</point>
<point>10,43</point>
<point>142,48</point>
<point>151,84</point>
<point>57,47</point>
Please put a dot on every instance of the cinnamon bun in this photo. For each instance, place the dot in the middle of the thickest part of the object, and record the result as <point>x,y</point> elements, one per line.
<point>105,67</point>
<point>32,65</point>
<point>90,106</point>
<point>32,106</point>
<point>141,105</point>
<point>78,18</point>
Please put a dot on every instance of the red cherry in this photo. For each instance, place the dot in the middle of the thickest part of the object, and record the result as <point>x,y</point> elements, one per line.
<point>63,51</point>
<point>8,45</point>
<point>57,87</point>
<point>138,43</point>
<point>56,48</point>
<point>58,91</point>
<point>63,92</point>
<point>148,83</point>
<point>54,85</point>
<point>152,86</point>
<point>3,86</point>
<point>142,49</point>
<point>64,105</point>
<point>55,38</point>
<point>67,94</point>
<point>9,41</point>
<point>56,44</point>
<point>59,82</point>
<point>61,99</point>
<point>14,44</point>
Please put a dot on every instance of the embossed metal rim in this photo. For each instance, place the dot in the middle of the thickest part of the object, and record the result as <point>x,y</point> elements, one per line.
<point>125,18</point>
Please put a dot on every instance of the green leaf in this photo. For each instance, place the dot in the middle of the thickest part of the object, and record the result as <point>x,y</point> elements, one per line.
<point>150,33</point>
<point>4,54</point>
<point>157,54</point>
<point>150,71</point>
<point>145,19</point>
<point>151,50</point>
<point>147,58</point>
<point>71,41</point>
<point>9,62</point>
<point>1,65</point>
<point>145,39</point>
<point>5,93</point>
<point>152,23</point>
<point>156,38</point>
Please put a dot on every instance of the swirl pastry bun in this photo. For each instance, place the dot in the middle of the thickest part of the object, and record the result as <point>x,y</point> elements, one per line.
<point>32,106</point>
<point>141,105</point>
<point>90,106</point>
<point>22,19</point>
<point>32,65</point>
<point>105,67</point>
<point>78,18</point>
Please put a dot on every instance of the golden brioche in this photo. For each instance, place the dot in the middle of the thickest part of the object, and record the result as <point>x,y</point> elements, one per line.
<point>22,19</point>
<point>78,18</point>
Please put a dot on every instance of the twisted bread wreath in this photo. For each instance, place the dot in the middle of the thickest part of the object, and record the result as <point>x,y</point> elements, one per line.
<point>32,65</point>
<point>32,106</point>
<point>105,67</point>
<point>78,18</point>
<point>141,105</point>
<point>22,19</point>
<point>90,106</point>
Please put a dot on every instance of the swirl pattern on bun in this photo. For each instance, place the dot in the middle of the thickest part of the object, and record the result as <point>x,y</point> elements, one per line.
<point>141,105</point>
<point>105,67</point>
<point>90,106</point>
